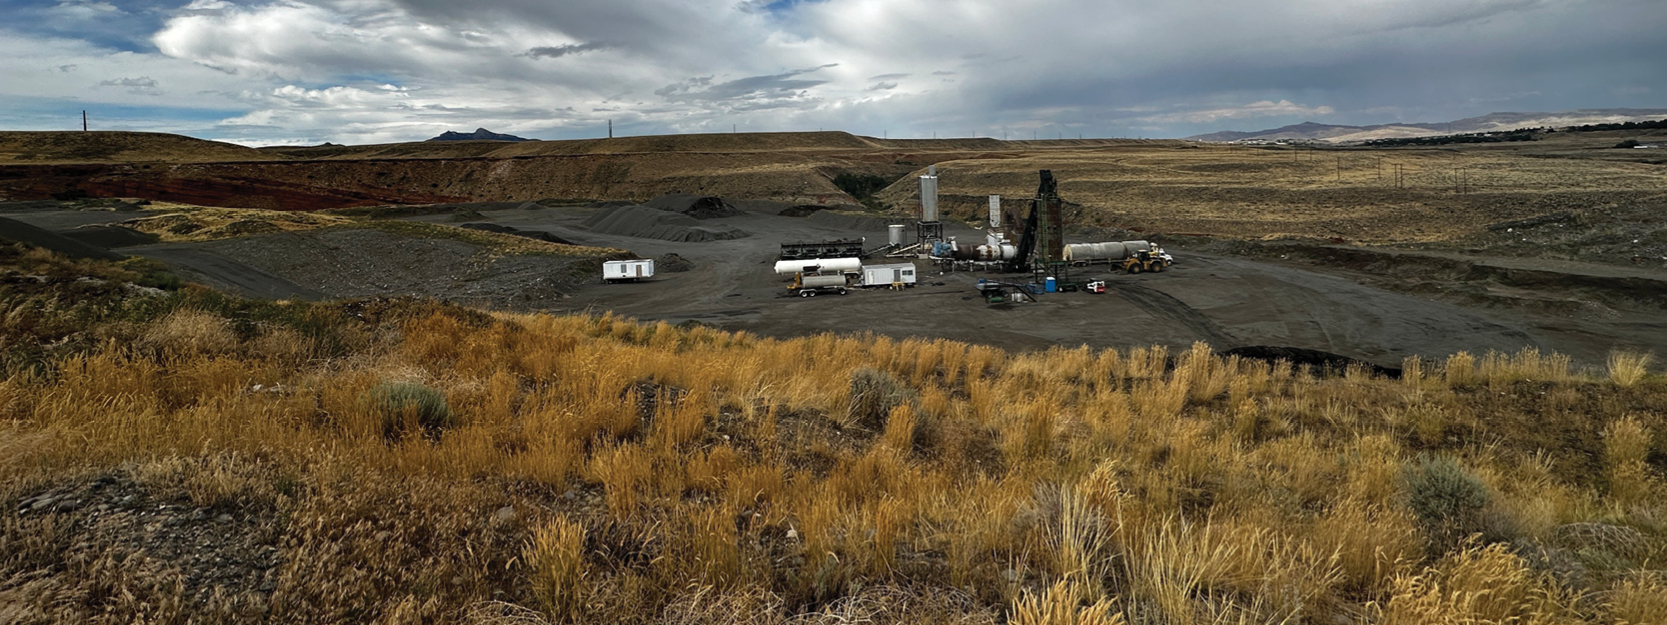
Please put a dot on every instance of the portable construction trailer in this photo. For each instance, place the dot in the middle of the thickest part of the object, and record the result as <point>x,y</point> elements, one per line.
<point>627,270</point>
<point>888,275</point>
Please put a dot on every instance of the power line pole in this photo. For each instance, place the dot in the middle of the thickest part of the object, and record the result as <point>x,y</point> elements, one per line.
<point>83,121</point>
<point>610,129</point>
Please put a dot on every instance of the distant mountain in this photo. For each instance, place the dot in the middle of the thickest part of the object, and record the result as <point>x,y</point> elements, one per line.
<point>1492,122</point>
<point>480,134</point>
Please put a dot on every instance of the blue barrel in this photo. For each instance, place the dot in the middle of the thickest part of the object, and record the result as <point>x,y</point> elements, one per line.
<point>1052,286</point>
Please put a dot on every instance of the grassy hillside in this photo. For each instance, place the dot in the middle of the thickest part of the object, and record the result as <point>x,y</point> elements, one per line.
<point>171,454</point>
<point>18,147</point>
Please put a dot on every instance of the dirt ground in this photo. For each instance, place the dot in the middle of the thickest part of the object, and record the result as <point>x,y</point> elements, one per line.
<point>1374,305</point>
<point>1226,295</point>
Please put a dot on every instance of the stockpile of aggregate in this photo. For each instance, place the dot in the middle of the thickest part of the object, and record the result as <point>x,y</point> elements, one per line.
<point>696,206</point>
<point>853,222</point>
<point>647,222</point>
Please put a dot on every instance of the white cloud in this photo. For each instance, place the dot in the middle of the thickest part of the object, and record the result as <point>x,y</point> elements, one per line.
<point>384,70</point>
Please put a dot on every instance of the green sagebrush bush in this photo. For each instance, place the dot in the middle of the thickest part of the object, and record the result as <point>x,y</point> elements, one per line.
<point>1447,499</point>
<point>874,393</point>
<point>407,408</point>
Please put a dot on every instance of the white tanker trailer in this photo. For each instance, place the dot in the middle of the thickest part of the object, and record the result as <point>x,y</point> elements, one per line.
<point>823,266</point>
<point>1083,254</point>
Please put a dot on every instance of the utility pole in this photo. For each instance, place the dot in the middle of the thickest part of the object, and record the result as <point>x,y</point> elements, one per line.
<point>610,129</point>
<point>83,121</point>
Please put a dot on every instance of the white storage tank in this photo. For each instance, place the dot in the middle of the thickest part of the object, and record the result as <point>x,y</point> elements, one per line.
<point>929,194</point>
<point>885,275</point>
<point>627,270</point>
<point>895,234</point>
<point>818,265</point>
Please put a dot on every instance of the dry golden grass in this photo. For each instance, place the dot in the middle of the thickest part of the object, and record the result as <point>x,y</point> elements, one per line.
<point>663,474</point>
<point>1258,193</point>
<point>1628,368</point>
<point>180,222</point>
<point>186,223</point>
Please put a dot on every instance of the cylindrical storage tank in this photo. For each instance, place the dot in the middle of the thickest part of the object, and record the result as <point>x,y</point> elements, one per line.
<point>1081,252</point>
<point>894,234</point>
<point>929,194</point>
<point>1137,246</point>
<point>965,251</point>
<point>812,282</point>
<point>818,265</point>
<point>995,252</point>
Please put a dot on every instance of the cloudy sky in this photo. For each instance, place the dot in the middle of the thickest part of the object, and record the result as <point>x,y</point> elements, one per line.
<point>367,71</point>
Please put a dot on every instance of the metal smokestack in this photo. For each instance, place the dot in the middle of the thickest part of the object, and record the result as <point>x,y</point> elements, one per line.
<point>995,211</point>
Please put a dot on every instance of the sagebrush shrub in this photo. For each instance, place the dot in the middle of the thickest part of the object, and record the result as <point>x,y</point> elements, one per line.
<point>874,393</point>
<point>1447,499</point>
<point>407,406</point>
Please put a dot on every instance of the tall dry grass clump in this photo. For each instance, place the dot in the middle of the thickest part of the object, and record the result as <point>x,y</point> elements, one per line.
<point>555,559</point>
<point>1627,369</point>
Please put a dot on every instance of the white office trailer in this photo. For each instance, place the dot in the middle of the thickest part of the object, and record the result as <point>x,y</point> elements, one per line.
<point>627,270</point>
<point>897,274</point>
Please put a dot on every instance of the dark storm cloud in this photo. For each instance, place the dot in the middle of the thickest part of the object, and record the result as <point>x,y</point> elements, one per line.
<point>556,52</point>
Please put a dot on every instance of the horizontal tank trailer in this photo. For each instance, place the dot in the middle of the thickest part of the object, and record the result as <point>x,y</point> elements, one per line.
<point>809,285</point>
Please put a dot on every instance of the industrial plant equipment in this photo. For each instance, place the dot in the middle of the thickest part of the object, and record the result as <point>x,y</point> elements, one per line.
<point>837,248</point>
<point>1041,244</point>
<point>929,228</point>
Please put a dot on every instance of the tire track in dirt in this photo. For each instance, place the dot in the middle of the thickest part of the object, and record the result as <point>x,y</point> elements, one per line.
<point>1165,306</point>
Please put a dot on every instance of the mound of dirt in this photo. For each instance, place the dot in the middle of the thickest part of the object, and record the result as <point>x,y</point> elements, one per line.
<point>696,206</point>
<point>647,222</point>
<point>852,222</point>
<point>672,263</point>
<point>468,216</point>
<point>802,210</point>
<point>531,234</point>
<point>13,230</point>
<point>110,237</point>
